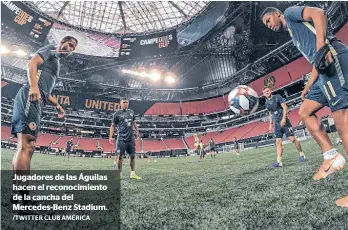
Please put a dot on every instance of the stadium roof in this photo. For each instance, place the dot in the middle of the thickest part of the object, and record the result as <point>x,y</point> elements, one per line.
<point>122,16</point>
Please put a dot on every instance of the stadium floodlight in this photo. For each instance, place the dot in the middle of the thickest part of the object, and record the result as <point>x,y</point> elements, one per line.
<point>20,53</point>
<point>4,50</point>
<point>155,75</point>
<point>143,74</point>
<point>170,79</point>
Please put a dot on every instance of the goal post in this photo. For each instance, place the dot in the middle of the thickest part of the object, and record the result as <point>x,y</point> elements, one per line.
<point>230,148</point>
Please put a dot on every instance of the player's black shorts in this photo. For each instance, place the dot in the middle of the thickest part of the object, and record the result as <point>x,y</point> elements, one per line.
<point>125,146</point>
<point>212,149</point>
<point>68,150</point>
<point>26,114</point>
<point>287,129</point>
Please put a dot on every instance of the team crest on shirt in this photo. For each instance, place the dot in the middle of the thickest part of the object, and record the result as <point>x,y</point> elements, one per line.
<point>131,114</point>
<point>32,126</point>
<point>276,112</point>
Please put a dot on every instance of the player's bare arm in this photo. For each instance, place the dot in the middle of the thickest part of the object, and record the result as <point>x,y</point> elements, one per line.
<point>137,132</point>
<point>58,106</point>
<point>34,92</point>
<point>270,121</point>
<point>319,19</point>
<point>285,112</point>
<point>111,133</point>
<point>313,77</point>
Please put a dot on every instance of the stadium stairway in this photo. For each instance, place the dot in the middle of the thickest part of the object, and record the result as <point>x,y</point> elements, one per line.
<point>164,143</point>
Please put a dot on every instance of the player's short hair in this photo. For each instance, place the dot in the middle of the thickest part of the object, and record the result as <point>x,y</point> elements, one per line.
<point>68,38</point>
<point>267,87</point>
<point>124,99</point>
<point>269,10</point>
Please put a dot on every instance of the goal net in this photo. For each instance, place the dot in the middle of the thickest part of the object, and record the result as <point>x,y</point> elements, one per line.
<point>230,148</point>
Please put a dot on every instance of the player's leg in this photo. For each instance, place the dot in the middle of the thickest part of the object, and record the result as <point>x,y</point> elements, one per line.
<point>25,125</point>
<point>130,147</point>
<point>298,147</point>
<point>337,87</point>
<point>25,149</point>
<point>333,161</point>
<point>279,144</point>
<point>278,133</point>
<point>120,145</point>
<point>289,133</point>
<point>336,91</point>
<point>307,113</point>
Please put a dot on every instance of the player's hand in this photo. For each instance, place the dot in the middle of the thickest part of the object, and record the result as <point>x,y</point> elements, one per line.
<point>282,122</point>
<point>137,135</point>
<point>60,111</point>
<point>34,93</point>
<point>329,58</point>
<point>270,127</point>
<point>111,141</point>
<point>304,93</point>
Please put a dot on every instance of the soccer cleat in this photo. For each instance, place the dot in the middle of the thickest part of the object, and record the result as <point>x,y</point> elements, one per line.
<point>277,165</point>
<point>135,177</point>
<point>302,158</point>
<point>343,202</point>
<point>330,166</point>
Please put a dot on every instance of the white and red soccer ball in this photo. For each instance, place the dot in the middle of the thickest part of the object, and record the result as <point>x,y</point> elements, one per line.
<point>243,100</point>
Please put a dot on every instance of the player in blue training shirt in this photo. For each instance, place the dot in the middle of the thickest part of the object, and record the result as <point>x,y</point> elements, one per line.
<point>328,83</point>
<point>43,70</point>
<point>278,112</point>
<point>124,121</point>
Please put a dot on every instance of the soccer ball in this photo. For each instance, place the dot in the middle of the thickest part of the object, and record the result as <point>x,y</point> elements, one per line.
<point>243,100</point>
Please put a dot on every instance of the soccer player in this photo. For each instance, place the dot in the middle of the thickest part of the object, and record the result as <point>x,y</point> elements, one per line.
<point>212,148</point>
<point>328,83</point>
<point>42,72</point>
<point>124,120</point>
<point>278,112</point>
<point>236,146</point>
<point>197,146</point>
<point>68,148</point>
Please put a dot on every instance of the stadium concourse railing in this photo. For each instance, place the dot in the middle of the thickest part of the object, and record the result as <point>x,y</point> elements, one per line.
<point>247,132</point>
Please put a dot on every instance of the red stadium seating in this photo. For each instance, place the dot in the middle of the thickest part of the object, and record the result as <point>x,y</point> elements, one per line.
<point>221,137</point>
<point>342,34</point>
<point>46,139</point>
<point>164,109</point>
<point>174,143</point>
<point>154,146</point>
<point>259,129</point>
<point>294,117</point>
<point>206,138</point>
<point>106,146</point>
<point>88,144</point>
<point>138,146</point>
<point>323,112</point>
<point>190,142</point>
<point>61,143</point>
<point>5,132</point>
<point>299,68</point>
<point>241,132</point>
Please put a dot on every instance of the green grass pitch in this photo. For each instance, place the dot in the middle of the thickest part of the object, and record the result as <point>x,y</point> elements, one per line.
<point>229,192</point>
